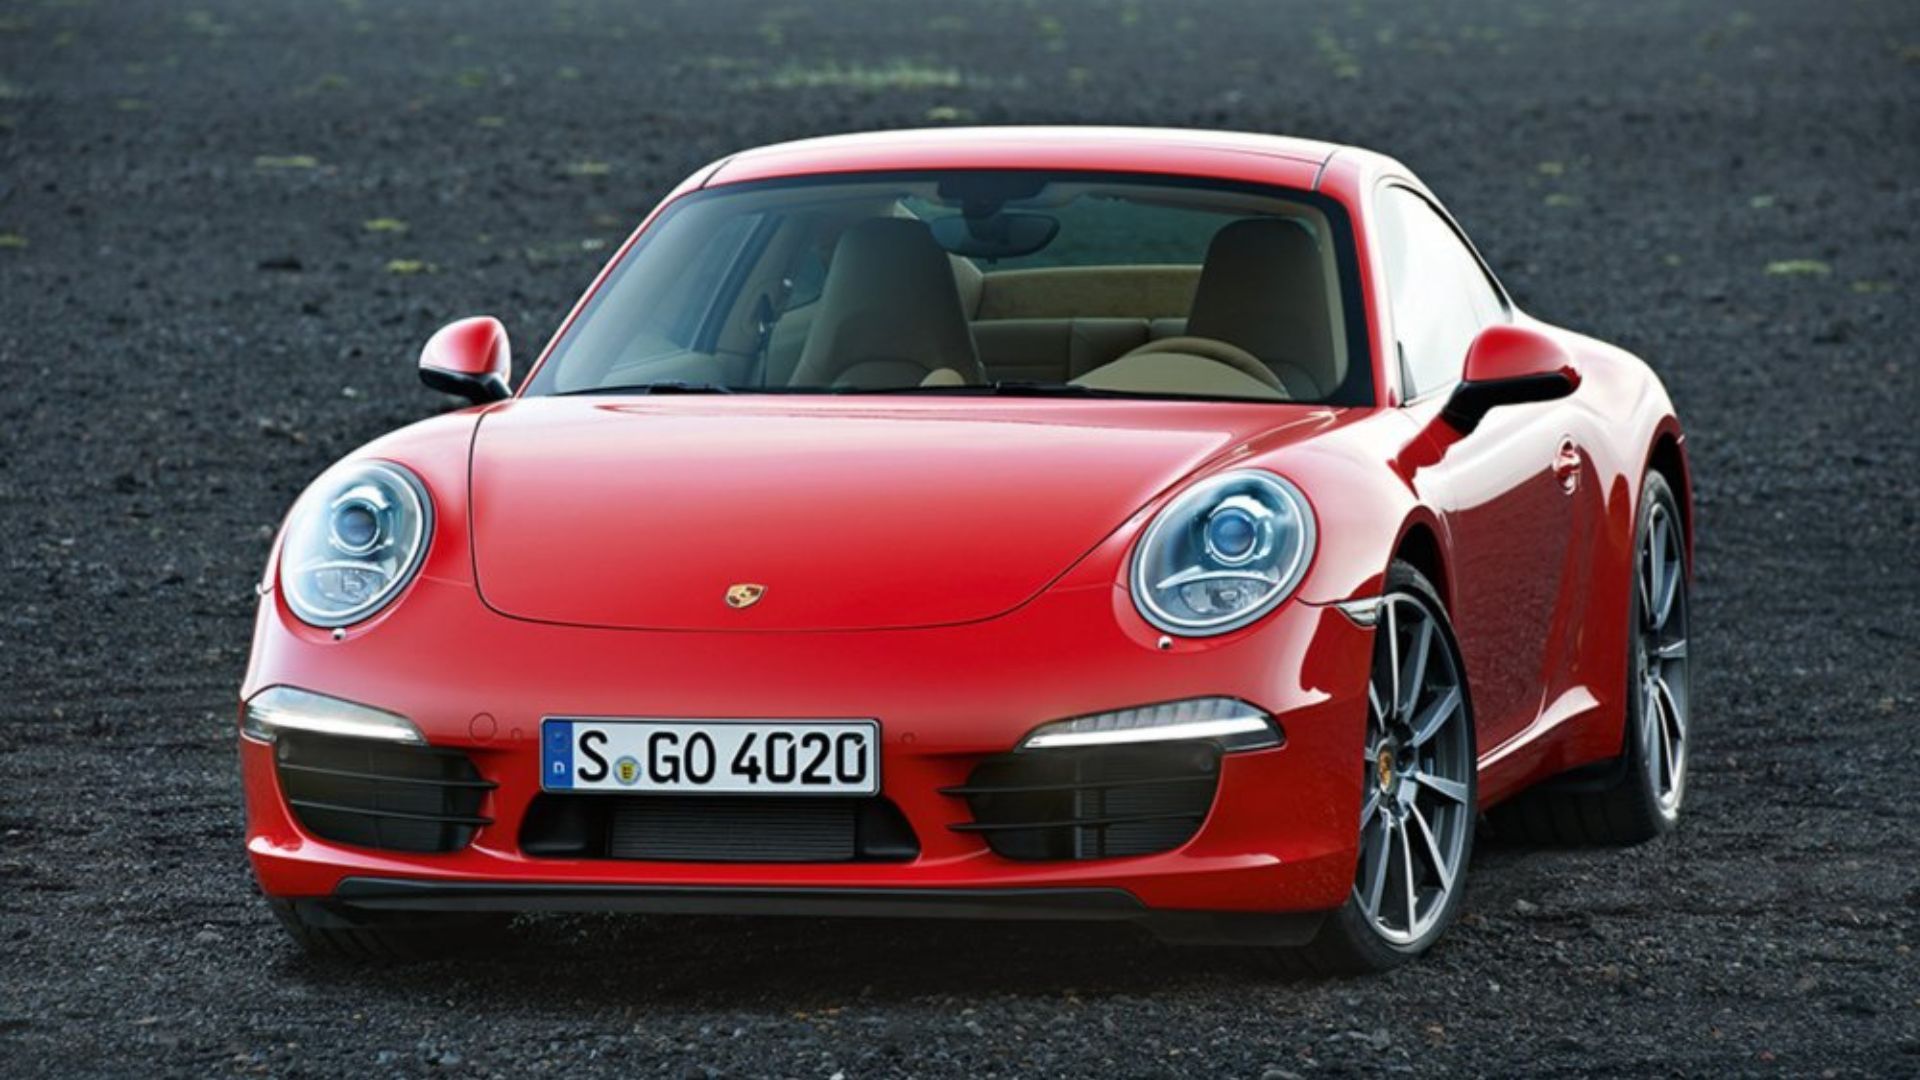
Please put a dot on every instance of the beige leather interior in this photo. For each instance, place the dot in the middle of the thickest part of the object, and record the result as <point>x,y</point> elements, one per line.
<point>1054,350</point>
<point>1178,373</point>
<point>889,312</point>
<point>970,283</point>
<point>1262,291</point>
<point>896,310</point>
<point>1263,288</point>
<point>1057,324</point>
<point>1087,292</point>
<point>1222,352</point>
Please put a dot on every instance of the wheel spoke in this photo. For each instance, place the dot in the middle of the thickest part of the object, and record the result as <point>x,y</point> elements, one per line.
<point>1369,808</point>
<point>1440,785</point>
<point>1660,740</point>
<point>1651,726</point>
<point>1672,650</point>
<point>1669,708</point>
<point>1643,577</point>
<point>1414,674</point>
<point>1656,565</point>
<point>1393,655</point>
<point>1669,588</point>
<point>1666,759</point>
<point>1373,700</point>
<point>1435,716</point>
<point>1406,877</point>
<point>1375,855</point>
<point>1432,845</point>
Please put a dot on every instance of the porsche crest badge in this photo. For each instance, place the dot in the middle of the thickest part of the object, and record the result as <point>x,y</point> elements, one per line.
<point>745,595</point>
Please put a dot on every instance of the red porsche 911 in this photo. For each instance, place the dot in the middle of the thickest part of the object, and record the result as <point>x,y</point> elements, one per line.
<point>1165,526</point>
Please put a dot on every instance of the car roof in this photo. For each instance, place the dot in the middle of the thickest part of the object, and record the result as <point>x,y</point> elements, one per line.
<point>1178,151</point>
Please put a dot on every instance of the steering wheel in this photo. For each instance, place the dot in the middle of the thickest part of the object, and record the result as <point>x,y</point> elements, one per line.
<point>1220,352</point>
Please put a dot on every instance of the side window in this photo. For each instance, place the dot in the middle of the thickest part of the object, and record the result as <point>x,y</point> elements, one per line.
<point>1439,295</point>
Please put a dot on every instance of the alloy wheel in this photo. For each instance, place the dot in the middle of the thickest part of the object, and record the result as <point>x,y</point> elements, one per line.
<point>1660,659</point>
<point>1417,813</point>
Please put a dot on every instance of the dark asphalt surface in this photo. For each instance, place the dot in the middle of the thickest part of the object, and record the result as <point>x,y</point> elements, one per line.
<point>227,226</point>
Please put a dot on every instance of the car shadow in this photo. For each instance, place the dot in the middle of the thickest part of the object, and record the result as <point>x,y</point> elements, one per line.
<point>800,963</point>
<point>797,964</point>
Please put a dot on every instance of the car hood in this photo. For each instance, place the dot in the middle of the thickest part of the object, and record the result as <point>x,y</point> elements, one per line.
<point>846,513</point>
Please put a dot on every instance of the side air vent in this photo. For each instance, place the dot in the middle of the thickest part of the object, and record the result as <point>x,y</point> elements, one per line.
<point>1092,803</point>
<point>377,795</point>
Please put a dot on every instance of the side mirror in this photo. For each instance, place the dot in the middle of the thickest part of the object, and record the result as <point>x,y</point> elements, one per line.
<point>1510,365</point>
<point>468,359</point>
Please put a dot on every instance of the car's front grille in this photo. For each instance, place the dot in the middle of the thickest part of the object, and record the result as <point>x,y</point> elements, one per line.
<point>1091,803</point>
<point>717,828</point>
<point>378,795</point>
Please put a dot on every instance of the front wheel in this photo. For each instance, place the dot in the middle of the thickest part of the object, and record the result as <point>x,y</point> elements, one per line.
<point>1418,784</point>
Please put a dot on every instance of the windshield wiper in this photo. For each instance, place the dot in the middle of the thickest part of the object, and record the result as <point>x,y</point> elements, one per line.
<point>1003,388</point>
<point>1022,388</point>
<point>664,386</point>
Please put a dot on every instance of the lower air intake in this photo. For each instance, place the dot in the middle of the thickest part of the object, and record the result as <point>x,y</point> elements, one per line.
<point>1092,803</point>
<point>722,830</point>
<point>705,828</point>
<point>378,795</point>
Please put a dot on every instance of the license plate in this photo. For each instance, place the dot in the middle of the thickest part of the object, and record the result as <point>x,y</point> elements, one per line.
<point>715,757</point>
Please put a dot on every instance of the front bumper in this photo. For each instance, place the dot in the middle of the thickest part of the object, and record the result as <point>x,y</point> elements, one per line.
<point>1280,837</point>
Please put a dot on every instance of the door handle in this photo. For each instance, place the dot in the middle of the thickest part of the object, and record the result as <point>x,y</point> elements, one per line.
<point>1566,466</point>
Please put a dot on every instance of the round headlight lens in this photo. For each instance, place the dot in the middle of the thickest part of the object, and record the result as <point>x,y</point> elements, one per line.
<point>353,542</point>
<point>1225,552</point>
<point>357,521</point>
<point>1234,530</point>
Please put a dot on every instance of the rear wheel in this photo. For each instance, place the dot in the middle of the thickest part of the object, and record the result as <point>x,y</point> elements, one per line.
<point>1637,796</point>
<point>1418,777</point>
<point>325,930</point>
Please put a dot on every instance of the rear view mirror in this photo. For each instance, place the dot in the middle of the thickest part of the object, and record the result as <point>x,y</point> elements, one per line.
<point>1004,235</point>
<point>469,359</point>
<point>1510,365</point>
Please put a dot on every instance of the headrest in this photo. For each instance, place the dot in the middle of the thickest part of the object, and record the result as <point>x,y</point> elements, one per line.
<point>970,283</point>
<point>889,312</point>
<point>1263,288</point>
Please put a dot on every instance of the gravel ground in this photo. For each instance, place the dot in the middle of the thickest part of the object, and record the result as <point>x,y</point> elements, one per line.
<point>227,225</point>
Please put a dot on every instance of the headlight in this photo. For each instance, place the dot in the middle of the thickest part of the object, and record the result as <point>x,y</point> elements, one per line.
<point>353,542</point>
<point>1222,554</point>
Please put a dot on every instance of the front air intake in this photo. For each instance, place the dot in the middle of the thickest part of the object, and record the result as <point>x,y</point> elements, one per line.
<point>379,795</point>
<point>1091,803</point>
<point>717,828</point>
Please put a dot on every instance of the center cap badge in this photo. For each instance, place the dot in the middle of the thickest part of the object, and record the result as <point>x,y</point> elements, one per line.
<point>745,595</point>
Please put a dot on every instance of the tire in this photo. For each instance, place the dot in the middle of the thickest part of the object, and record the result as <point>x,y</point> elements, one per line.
<point>1637,795</point>
<point>328,932</point>
<point>1418,811</point>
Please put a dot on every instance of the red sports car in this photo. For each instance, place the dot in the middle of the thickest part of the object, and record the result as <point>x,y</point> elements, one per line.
<point>1163,526</point>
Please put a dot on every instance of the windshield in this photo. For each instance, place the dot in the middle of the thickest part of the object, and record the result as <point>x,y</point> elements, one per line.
<point>1001,282</point>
